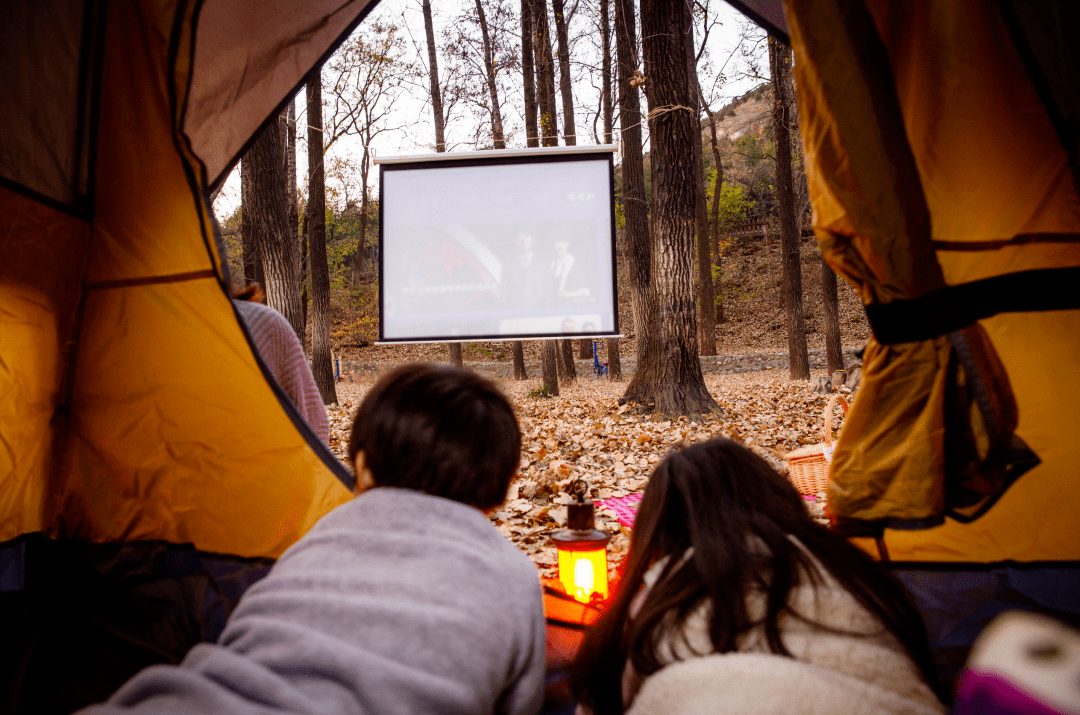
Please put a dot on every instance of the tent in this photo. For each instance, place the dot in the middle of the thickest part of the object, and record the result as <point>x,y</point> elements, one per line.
<point>150,467</point>
<point>943,156</point>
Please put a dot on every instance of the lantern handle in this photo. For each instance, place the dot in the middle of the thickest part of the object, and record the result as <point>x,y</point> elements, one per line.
<point>578,488</point>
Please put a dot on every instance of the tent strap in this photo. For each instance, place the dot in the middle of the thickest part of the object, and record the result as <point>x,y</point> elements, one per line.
<point>946,310</point>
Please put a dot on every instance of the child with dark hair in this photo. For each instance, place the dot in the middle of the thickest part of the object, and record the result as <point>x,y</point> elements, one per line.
<point>406,599</point>
<point>734,600</point>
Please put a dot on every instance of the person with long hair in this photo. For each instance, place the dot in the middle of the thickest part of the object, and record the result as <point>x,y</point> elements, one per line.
<point>283,353</point>
<point>735,600</point>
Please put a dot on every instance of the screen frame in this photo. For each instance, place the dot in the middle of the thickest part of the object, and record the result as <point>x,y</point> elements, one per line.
<point>501,158</point>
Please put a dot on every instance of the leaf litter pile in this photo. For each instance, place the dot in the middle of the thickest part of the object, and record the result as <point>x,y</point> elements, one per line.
<point>585,434</point>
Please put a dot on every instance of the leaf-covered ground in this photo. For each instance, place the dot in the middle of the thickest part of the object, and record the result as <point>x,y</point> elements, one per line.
<point>585,433</point>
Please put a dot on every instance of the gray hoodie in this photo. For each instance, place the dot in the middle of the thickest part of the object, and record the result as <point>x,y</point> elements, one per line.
<point>397,602</point>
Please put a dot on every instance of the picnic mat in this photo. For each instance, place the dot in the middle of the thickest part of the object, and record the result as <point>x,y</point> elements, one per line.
<point>625,508</point>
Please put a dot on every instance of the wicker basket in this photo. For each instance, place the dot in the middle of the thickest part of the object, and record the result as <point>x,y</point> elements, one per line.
<point>808,467</point>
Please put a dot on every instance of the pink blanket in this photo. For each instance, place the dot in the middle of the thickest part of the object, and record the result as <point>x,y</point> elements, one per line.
<point>625,508</point>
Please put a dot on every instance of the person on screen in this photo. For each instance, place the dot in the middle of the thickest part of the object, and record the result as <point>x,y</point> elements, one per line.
<point>568,325</point>
<point>569,282</point>
<point>526,283</point>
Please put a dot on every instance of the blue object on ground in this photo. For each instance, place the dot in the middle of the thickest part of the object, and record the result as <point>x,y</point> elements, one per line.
<point>599,368</point>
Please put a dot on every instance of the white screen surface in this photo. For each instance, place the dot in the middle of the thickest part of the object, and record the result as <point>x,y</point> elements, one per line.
<point>518,248</point>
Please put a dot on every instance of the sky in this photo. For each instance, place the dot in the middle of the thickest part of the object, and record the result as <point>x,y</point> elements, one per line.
<point>412,115</point>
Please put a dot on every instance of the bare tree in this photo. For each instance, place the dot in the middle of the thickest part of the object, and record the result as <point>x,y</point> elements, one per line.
<point>315,221</point>
<point>370,74</point>
<point>749,38</point>
<point>288,118</point>
<point>545,80</point>
<point>705,314</point>
<point>253,267</point>
<point>528,74</point>
<point>614,362</point>
<point>605,71</point>
<point>497,138</point>
<point>440,134</point>
<point>780,65</point>
<point>566,83</point>
<point>566,347</point>
<point>635,209</point>
<point>676,384</point>
<point>545,73</point>
<point>718,186</point>
<point>268,211</point>
<point>834,353</point>
<point>566,88</point>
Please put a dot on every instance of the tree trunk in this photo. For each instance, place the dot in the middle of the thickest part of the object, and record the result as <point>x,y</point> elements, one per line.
<point>440,137</point>
<point>638,239</point>
<point>280,252</point>
<point>322,364</point>
<point>528,73</point>
<point>834,354</point>
<point>305,265</point>
<point>518,350</point>
<point>565,83</point>
<point>612,344</point>
<point>549,370</point>
<point>290,169</point>
<point>718,294</point>
<point>614,361</point>
<point>678,387</point>
<point>706,313</point>
<point>433,70</point>
<point>493,91</point>
<point>545,74</point>
<point>567,368</point>
<point>780,65</point>
<point>253,270</point>
<point>605,70</point>
<point>361,239</point>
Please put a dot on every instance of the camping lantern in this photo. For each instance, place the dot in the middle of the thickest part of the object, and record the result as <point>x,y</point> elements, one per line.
<point>582,549</point>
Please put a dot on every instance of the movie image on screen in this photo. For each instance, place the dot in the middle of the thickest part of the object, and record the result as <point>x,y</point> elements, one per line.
<point>505,248</point>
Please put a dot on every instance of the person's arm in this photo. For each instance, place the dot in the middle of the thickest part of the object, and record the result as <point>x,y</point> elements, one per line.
<point>525,696</point>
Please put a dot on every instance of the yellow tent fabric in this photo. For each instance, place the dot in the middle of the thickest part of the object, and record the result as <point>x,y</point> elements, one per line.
<point>945,191</point>
<point>134,406</point>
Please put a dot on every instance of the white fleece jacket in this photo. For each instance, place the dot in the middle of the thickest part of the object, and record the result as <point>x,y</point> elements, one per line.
<point>830,672</point>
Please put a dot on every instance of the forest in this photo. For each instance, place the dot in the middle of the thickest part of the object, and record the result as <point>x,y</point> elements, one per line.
<point>704,179</point>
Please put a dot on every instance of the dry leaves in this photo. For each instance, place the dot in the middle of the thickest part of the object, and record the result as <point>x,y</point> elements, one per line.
<point>585,433</point>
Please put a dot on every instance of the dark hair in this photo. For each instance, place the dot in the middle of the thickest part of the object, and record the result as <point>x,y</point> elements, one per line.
<point>438,430</point>
<point>725,501</point>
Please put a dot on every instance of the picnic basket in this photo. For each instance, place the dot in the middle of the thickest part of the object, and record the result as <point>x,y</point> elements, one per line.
<point>808,467</point>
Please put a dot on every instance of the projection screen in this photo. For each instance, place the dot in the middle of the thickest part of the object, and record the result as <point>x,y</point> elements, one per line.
<point>497,245</point>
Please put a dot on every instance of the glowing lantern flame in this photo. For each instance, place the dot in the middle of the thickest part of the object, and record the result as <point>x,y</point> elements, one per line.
<point>583,573</point>
<point>584,579</point>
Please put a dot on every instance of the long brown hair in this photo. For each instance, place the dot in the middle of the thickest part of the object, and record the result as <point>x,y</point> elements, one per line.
<point>721,499</point>
<point>251,292</point>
